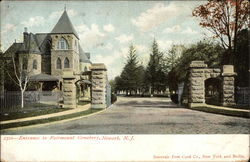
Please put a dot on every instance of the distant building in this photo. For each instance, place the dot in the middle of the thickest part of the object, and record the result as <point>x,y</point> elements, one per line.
<point>49,55</point>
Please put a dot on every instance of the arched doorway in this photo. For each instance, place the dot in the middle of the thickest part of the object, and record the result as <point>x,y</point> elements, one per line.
<point>213,91</point>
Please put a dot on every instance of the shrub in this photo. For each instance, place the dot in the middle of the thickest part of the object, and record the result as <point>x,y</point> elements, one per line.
<point>174,98</point>
<point>113,98</point>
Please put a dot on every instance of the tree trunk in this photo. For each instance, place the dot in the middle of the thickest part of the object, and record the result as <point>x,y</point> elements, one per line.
<point>22,103</point>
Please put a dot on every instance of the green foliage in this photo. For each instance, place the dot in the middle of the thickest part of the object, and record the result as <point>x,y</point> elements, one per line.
<point>204,50</point>
<point>173,55</point>
<point>242,59</point>
<point>113,98</point>
<point>155,76</point>
<point>131,78</point>
<point>112,85</point>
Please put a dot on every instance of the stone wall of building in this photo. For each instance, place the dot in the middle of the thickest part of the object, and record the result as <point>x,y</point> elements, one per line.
<point>228,85</point>
<point>72,53</point>
<point>85,66</point>
<point>46,64</point>
<point>197,88</point>
<point>199,72</point>
<point>99,81</point>
<point>31,58</point>
<point>69,90</point>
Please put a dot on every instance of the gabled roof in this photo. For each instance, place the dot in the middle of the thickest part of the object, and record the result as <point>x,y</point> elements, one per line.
<point>15,47</point>
<point>83,57</point>
<point>33,47</point>
<point>44,42</point>
<point>43,77</point>
<point>40,37</point>
<point>64,26</point>
<point>28,46</point>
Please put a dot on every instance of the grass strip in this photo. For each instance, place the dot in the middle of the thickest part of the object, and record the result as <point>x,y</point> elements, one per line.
<point>222,111</point>
<point>47,120</point>
<point>19,115</point>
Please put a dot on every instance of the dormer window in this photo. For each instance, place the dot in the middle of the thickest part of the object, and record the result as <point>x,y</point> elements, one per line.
<point>63,44</point>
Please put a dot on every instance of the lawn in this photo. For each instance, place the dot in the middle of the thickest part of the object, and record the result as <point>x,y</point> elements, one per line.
<point>82,102</point>
<point>47,120</point>
<point>30,113</point>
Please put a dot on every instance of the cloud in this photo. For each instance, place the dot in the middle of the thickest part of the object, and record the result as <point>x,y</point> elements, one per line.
<point>91,36</point>
<point>108,28</point>
<point>172,29</point>
<point>125,38</point>
<point>107,60</point>
<point>8,28</point>
<point>72,13</point>
<point>57,14</point>
<point>141,48</point>
<point>111,61</point>
<point>165,45</point>
<point>189,31</point>
<point>107,46</point>
<point>155,16</point>
<point>124,52</point>
<point>34,21</point>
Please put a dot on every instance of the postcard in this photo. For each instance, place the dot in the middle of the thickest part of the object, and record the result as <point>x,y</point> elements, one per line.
<point>124,80</point>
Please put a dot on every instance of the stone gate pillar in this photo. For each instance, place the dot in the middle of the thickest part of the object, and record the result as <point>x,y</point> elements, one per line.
<point>69,90</point>
<point>196,86</point>
<point>98,90</point>
<point>228,75</point>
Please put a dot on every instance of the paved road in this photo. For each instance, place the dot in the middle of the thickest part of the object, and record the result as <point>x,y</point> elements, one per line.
<point>145,116</point>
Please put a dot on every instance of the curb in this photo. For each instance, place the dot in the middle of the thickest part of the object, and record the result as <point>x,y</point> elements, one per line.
<point>54,122</point>
<point>236,113</point>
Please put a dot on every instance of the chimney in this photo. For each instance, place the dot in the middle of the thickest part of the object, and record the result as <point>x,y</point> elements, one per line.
<point>25,37</point>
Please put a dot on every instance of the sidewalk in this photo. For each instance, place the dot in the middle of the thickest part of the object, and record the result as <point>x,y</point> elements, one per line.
<point>79,109</point>
<point>224,110</point>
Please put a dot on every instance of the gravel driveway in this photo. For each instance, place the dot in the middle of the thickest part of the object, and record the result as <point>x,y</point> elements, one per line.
<point>145,116</point>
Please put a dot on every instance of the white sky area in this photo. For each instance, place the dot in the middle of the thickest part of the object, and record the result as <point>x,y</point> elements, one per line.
<point>107,29</point>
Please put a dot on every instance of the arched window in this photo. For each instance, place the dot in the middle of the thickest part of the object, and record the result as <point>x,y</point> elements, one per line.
<point>58,63</point>
<point>34,64</point>
<point>66,63</point>
<point>63,44</point>
<point>85,68</point>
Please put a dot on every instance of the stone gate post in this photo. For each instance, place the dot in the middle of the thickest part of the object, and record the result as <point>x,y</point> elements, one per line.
<point>69,90</point>
<point>98,90</point>
<point>228,75</point>
<point>196,87</point>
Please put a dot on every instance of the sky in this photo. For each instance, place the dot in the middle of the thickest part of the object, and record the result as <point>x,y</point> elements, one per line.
<point>107,28</point>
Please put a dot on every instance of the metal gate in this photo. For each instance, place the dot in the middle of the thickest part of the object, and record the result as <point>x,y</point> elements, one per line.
<point>108,94</point>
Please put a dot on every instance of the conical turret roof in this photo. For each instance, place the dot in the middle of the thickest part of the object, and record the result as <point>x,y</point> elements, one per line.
<point>64,26</point>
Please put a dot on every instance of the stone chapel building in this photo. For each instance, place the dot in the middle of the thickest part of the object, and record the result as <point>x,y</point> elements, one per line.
<point>48,56</point>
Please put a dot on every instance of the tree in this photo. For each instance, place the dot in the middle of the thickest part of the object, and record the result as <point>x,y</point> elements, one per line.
<point>155,76</point>
<point>224,19</point>
<point>206,51</point>
<point>172,57</point>
<point>131,74</point>
<point>242,59</point>
<point>19,72</point>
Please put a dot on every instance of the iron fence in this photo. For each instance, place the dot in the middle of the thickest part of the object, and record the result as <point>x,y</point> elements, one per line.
<point>11,100</point>
<point>108,95</point>
<point>242,95</point>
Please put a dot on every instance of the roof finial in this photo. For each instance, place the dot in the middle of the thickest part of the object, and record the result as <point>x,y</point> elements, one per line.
<point>64,7</point>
